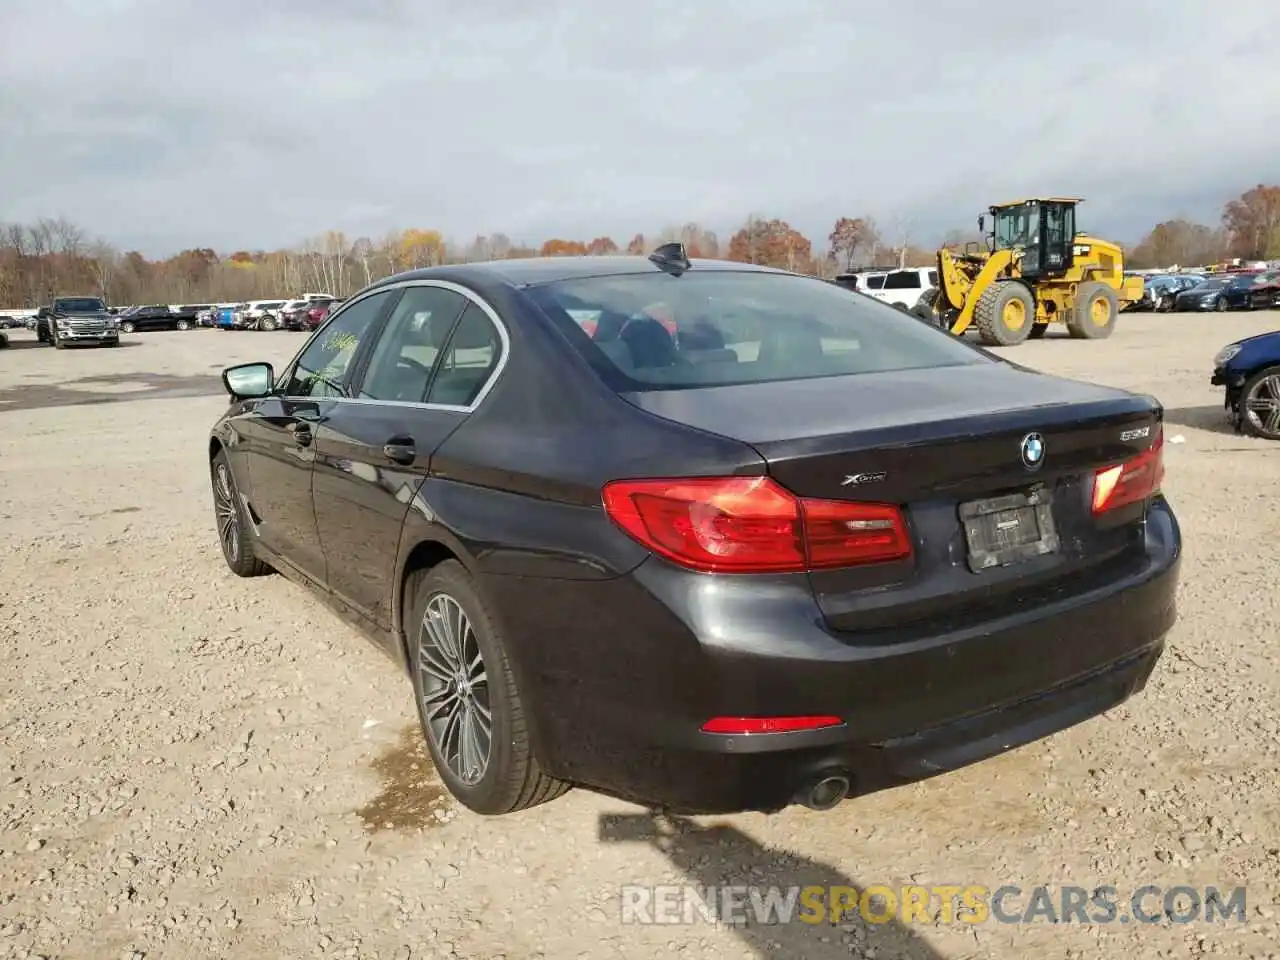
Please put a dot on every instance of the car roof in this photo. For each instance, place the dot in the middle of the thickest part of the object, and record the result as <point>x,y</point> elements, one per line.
<point>533,271</point>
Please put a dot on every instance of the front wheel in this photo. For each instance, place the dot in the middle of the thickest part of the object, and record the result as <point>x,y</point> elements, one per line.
<point>127,327</point>
<point>468,704</point>
<point>267,323</point>
<point>1005,314</point>
<point>1259,404</point>
<point>183,325</point>
<point>228,514</point>
<point>1220,305</point>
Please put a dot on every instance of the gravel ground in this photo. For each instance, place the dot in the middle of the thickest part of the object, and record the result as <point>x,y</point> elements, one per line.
<point>195,765</point>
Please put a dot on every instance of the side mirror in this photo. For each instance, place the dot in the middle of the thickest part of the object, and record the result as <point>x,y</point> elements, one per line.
<point>44,313</point>
<point>248,381</point>
<point>982,223</point>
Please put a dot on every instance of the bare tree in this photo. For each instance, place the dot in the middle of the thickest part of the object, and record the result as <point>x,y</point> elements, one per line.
<point>362,251</point>
<point>104,260</point>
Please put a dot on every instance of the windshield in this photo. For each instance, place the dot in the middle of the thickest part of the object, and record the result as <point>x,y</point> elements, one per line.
<point>79,305</point>
<point>660,332</point>
<point>1017,226</point>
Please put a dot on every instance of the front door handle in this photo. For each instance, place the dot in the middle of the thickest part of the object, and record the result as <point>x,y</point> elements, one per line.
<point>301,433</point>
<point>400,450</point>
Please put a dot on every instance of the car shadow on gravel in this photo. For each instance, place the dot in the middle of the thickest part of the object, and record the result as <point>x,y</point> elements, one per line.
<point>113,388</point>
<point>16,344</point>
<point>1212,418</point>
<point>721,855</point>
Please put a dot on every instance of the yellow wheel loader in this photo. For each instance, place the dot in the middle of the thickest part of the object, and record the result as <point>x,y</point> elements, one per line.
<point>1035,271</point>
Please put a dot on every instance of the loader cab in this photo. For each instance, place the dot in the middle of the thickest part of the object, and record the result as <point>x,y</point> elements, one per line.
<point>1044,229</point>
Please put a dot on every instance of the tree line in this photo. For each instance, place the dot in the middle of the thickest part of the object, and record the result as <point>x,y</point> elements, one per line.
<point>54,255</point>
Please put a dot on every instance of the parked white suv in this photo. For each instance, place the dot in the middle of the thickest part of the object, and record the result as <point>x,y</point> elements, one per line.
<point>261,314</point>
<point>901,288</point>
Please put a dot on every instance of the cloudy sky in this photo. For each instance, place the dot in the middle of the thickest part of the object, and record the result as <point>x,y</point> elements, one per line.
<point>160,124</point>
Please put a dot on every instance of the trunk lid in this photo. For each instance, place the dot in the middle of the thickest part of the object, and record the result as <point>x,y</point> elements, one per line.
<point>936,442</point>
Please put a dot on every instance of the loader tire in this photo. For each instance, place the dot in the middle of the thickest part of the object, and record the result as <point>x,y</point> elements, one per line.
<point>925,307</point>
<point>1004,314</point>
<point>1095,311</point>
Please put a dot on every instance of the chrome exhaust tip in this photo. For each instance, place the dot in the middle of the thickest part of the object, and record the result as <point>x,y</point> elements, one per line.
<point>826,793</point>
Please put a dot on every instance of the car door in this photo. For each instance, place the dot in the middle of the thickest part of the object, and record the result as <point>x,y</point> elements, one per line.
<point>279,438</point>
<point>374,452</point>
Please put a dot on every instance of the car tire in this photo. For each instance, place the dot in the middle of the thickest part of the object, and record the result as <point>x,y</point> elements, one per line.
<point>229,520</point>
<point>1220,305</point>
<point>183,325</point>
<point>267,323</point>
<point>1095,312</point>
<point>1005,314</point>
<point>446,663</point>
<point>1266,379</point>
<point>127,327</point>
<point>4,341</point>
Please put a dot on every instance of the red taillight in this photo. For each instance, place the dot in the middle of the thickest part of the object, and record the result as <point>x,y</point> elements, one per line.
<point>752,725</point>
<point>753,525</point>
<point>1133,481</point>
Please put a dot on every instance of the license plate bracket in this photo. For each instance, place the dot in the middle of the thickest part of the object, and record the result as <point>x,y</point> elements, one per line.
<point>1009,529</point>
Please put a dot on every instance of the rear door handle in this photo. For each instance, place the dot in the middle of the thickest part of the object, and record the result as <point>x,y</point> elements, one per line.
<point>400,450</point>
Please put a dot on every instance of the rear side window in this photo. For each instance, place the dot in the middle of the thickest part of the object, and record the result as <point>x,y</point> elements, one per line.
<point>659,332</point>
<point>875,283</point>
<point>903,280</point>
<point>469,359</point>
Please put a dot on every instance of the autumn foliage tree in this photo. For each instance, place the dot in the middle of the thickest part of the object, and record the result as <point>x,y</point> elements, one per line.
<point>1179,243</point>
<point>773,243</point>
<point>601,247</point>
<point>420,248</point>
<point>563,248</point>
<point>1253,222</point>
<point>850,236</point>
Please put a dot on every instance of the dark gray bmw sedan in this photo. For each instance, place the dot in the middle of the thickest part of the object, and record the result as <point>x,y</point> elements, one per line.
<point>699,534</point>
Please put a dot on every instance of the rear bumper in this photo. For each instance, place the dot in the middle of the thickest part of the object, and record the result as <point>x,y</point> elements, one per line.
<point>621,674</point>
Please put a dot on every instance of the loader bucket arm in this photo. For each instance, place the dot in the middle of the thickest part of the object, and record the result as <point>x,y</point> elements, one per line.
<point>953,281</point>
<point>996,264</point>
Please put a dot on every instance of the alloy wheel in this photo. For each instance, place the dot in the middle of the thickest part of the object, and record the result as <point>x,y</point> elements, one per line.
<point>1262,405</point>
<point>224,509</point>
<point>454,689</point>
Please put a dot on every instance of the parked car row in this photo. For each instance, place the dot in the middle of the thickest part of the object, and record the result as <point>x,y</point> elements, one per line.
<point>1189,292</point>
<point>301,313</point>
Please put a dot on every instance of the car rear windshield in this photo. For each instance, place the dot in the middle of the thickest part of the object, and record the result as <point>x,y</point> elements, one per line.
<point>79,305</point>
<point>661,332</point>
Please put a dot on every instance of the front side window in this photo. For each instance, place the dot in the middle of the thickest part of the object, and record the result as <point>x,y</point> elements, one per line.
<point>739,327</point>
<point>405,354</point>
<point>1016,226</point>
<point>322,368</point>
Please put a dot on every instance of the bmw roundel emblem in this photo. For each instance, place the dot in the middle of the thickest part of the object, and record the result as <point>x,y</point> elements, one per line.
<point>1032,451</point>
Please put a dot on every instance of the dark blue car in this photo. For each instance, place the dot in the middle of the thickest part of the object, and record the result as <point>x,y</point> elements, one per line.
<point>1250,370</point>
